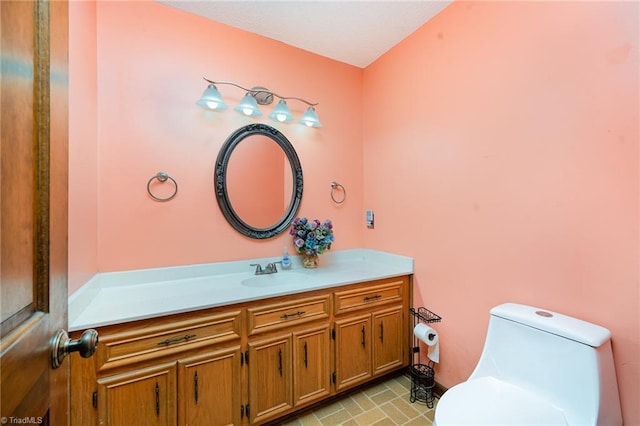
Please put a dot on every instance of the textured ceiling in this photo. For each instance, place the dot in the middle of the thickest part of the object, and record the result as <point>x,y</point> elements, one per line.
<point>355,32</point>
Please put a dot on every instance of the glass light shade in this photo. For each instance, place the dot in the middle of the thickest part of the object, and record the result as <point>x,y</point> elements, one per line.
<point>211,99</point>
<point>310,118</point>
<point>281,112</point>
<point>248,106</point>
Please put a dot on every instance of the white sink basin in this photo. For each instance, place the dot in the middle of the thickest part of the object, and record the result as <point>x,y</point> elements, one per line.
<point>277,279</point>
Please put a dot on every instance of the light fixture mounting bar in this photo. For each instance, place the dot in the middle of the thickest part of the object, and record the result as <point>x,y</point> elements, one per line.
<point>257,90</point>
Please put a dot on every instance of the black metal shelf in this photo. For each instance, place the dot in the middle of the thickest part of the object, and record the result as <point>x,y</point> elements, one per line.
<point>424,315</point>
<point>422,375</point>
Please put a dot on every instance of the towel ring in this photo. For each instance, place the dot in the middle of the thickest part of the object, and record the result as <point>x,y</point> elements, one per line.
<point>162,177</point>
<point>334,186</point>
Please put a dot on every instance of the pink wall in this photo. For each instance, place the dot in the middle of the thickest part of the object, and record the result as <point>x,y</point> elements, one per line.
<point>510,145</point>
<point>83,184</point>
<point>502,154</point>
<point>151,60</point>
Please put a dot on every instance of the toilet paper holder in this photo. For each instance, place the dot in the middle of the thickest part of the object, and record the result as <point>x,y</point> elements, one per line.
<point>424,316</point>
<point>422,375</point>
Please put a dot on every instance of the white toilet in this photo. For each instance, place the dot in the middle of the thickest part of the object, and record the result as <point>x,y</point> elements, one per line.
<point>537,368</point>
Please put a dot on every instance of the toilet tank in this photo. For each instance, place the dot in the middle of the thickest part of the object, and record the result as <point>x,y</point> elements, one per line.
<point>565,360</point>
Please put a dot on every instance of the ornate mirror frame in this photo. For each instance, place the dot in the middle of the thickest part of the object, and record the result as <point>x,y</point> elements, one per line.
<point>222,190</point>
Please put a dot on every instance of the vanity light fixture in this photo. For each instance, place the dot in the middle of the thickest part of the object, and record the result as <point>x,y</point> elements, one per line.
<point>310,118</point>
<point>249,106</point>
<point>281,112</point>
<point>212,99</point>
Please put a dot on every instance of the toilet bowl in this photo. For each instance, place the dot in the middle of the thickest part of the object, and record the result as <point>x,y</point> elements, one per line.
<point>537,368</point>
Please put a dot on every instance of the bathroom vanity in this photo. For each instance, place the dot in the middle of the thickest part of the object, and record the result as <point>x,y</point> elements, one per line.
<point>244,349</point>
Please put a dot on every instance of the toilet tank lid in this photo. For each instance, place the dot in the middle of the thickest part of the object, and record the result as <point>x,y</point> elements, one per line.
<point>553,322</point>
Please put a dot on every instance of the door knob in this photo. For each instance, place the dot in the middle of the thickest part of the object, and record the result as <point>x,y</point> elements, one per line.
<point>61,346</point>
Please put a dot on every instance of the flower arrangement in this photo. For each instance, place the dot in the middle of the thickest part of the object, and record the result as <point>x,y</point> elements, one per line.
<point>310,236</point>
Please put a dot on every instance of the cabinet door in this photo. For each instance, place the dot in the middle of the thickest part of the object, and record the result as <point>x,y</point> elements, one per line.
<point>270,382</point>
<point>144,397</point>
<point>311,366</point>
<point>209,391</point>
<point>353,351</point>
<point>388,347</point>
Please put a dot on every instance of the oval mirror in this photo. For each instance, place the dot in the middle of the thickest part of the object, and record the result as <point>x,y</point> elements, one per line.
<point>258,181</point>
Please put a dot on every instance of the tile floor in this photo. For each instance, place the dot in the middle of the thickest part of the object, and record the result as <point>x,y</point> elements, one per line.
<point>385,403</point>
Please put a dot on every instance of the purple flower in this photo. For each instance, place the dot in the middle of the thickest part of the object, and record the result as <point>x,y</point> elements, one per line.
<point>311,236</point>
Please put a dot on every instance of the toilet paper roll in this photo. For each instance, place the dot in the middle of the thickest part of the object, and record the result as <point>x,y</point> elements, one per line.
<point>429,337</point>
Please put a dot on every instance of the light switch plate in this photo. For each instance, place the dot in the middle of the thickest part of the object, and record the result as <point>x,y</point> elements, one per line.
<point>370,222</point>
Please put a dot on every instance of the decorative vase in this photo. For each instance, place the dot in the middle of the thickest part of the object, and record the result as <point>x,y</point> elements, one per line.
<point>310,261</point>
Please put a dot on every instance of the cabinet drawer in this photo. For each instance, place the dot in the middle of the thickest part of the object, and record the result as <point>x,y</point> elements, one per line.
<point>171,336</point>
<point>287,313</point>
<point>390,291</point>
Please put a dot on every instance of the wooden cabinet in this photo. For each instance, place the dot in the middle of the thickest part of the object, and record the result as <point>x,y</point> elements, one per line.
<point>206,387</point>
<point>209,388</point>
<point>286,313</point>
<point>270,378</point>
<point>288,371</point>
<point>145,396</point>
<point>288,355</point>
<point>353,350</point>
<point>387,344</point>
<point>371,336</point>
<point>311,365</point>
<point>176,370</point>
<point>249,363</point>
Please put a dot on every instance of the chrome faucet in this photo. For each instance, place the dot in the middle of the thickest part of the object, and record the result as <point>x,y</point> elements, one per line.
<point>269,269</point>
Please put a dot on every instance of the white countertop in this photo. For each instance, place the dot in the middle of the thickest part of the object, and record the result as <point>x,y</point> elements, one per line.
<point>116,297</point>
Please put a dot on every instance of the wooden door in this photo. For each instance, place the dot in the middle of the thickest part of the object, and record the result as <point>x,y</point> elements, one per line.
<point>388,345</point>
<point>311,365</point>
<point>33,208</point>
<point>209,391</point>
<point>270,384</point>
<point>141,397</point>
<point>353,351</point>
